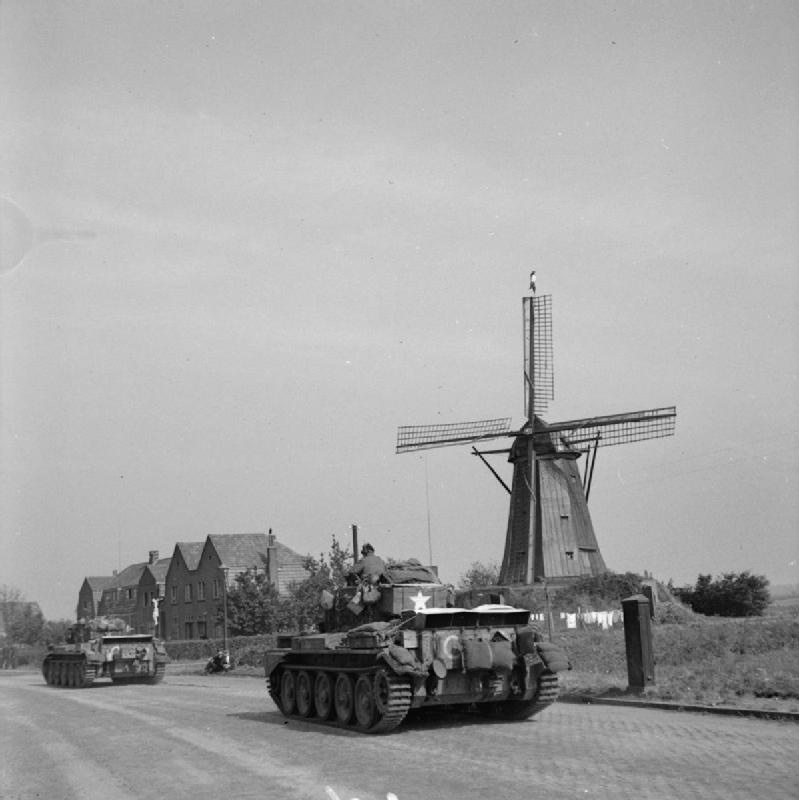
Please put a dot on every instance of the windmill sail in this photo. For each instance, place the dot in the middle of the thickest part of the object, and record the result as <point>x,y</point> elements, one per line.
<point>632,426</point>
<point>422,437</point>
<point>539,370</point>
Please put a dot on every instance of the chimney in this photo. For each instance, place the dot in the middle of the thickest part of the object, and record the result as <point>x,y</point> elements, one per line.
<point>272,564</point>
<point>153,556</point>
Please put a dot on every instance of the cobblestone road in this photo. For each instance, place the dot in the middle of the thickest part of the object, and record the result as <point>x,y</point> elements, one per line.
<point>207,737</point>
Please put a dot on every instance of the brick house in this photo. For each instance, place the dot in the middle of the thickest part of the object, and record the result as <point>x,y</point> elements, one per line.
<point>182,566</point>
<point>152,586</point>
<point>90,594</point>
<point>121,598</point>
<point>195,580</point>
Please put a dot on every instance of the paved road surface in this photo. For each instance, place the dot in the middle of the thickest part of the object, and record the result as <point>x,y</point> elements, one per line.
<point>221,737</point>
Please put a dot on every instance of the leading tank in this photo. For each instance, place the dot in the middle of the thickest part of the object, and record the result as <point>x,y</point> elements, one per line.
<point>102,648</point>
<point>400,645</point>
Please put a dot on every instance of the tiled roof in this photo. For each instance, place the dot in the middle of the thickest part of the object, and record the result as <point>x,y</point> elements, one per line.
<point>191,552</point>
<point>238,551</point>
<point>159,569</point>
<point>241,550</point>
<point>99,582</point>
<point>291,567</point>
<point>130,576</point>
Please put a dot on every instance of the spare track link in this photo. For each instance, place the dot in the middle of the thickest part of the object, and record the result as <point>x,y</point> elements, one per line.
<point>380,711</point>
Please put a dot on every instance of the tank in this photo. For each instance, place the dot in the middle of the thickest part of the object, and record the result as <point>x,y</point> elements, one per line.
<point>102,648</point>
<point>400,645</point>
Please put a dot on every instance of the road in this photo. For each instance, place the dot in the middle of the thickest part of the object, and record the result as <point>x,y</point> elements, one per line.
<point>220,736</point>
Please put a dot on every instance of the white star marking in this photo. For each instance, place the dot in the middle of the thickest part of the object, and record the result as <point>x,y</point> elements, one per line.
<point>420,601</point>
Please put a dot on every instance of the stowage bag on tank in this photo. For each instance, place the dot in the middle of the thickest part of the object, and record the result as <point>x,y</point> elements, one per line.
<point>553,656</point>
<point>481,655</point>
<point>502,653</point>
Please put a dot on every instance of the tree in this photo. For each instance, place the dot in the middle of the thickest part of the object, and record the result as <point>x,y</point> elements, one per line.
<point>22,620</point>
<point>732,595</point>
<point>54,631</point>
<point>303,607</point>
<point>479,574</point>
<point>253,604</point>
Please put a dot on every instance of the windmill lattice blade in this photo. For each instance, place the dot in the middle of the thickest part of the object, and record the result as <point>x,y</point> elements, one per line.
<point>541,373</point>
<point>634,426</point>
<point>421,437</point>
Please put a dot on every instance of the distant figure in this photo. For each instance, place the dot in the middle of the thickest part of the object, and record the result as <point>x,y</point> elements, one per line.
<point>532,281</point>
<point>370,568</point>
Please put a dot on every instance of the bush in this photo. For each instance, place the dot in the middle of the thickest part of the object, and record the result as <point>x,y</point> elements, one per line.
<point>732,595</point>
<point>597,591</point>
<point>479,575</point>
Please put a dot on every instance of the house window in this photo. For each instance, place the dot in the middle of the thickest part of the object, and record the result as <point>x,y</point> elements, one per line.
<point>144,598</point>
<point>201,628</point>
<point>130,594</point>
<point>217,630</point>
<point>187,594</point>
<point>188,630</point>
<point>201,590</point>
<point>217,588</point>
<point>173,592</point>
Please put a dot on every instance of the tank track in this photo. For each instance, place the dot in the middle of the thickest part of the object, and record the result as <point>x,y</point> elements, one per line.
<point>546,695</point>
<point>67,673</point>
<point>370,701</point>
<point>75,673</point>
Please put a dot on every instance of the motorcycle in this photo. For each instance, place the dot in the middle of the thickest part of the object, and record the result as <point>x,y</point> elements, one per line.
<point>219,663</point>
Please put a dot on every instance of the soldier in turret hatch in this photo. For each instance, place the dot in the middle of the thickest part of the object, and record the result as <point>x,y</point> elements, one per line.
<point>369,568</point>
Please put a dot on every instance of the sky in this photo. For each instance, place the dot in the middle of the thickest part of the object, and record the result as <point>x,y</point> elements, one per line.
<point>242,242</point>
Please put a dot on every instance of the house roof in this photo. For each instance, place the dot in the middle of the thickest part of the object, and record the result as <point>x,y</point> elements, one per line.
<point>241,550</point>
<point>99,582</point>
<point>238,551</point>
<point>130,576</point>
<point>191,552</point>
<point>159,569</point>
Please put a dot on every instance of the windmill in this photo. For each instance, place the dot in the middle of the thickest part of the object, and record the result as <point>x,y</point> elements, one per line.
<point>550,536</point>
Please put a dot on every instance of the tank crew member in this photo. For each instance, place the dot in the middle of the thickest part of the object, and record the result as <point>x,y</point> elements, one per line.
<point>370,568</point>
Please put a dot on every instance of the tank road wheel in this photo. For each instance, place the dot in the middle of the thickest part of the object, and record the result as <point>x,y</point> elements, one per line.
<point>304,694</point>
<point>364,702</point>
<point>323,695</point>
<point>343,698</point>
<point>288,693</point>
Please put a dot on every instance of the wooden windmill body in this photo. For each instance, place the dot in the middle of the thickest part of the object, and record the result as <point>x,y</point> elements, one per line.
<point>550,536</point>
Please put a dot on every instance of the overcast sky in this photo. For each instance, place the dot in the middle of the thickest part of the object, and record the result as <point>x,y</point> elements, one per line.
<point>242,242</point>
